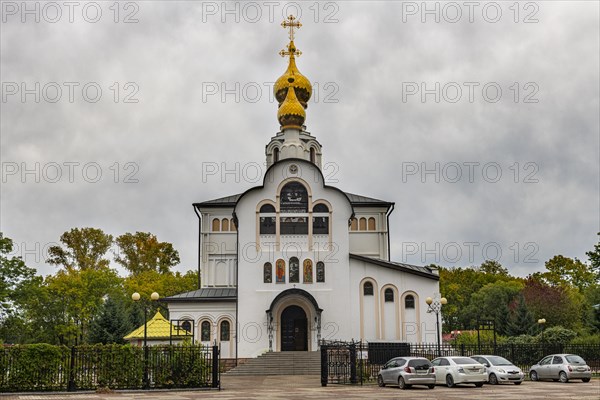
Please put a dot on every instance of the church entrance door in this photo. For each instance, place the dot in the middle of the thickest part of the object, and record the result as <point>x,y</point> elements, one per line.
<point>294,329</point>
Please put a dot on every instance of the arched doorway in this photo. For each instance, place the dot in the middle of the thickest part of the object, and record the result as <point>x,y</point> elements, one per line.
<point>294,329</point>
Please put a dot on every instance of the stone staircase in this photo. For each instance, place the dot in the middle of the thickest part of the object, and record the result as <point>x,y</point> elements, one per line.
<point>281,363</point>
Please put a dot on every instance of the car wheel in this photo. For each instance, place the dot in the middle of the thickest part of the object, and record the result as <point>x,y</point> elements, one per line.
<point>533,376</point>
<point>433,386</point>
<point>493,379</point>
<point>450,381</point>
<point>518,383</point>
<point>402,384</point>
<point>563,377</point>
<point>586,379</point>
<point>380,381</point>
<point>479,384</point>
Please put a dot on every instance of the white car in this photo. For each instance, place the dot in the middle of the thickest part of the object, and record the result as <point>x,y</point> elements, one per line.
<point>500,369</point>
<point>452,370</point>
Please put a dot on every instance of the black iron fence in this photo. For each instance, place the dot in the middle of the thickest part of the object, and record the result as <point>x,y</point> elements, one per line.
<point>44,367</point>
<point>359,362</point>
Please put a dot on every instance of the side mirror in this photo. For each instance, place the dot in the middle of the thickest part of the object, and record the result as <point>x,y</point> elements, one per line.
<point>487,364</point>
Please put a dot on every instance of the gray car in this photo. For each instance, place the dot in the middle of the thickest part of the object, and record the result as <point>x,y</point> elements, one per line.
<point>407,371</point>
<point>499,369</point>
<point>561,367</point>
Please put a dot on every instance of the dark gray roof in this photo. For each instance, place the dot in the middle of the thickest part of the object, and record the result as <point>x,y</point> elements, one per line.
<point>355,199</point>
<point>227,201</point>
<point>205,294</point>
<point>358,200</point>
<point>411,269</point>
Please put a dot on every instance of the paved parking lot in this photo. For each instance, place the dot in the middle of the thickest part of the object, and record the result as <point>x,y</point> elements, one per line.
<point>303,387</point>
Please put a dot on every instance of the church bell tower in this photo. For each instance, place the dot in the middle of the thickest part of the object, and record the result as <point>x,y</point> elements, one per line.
<point>292,91</point>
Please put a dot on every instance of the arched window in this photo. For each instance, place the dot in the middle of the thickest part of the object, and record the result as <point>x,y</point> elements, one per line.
<point>313,157</point>
<point>371,224</point>
<point>389,295</point>
<point>225,225</point>
<point>368,289</point>
<point>268,273</point>
<point>294,270</point>
<point>294,209</point>
<point>320,271</point>
<point>353,224</point>
<point>232,226</point>
<point>267,220</point>
<point>320,219</point>
<point>276,154</point>
<point>186,325</point>
<point>409,301</point>
<point>205,331</point>
<point>362,224</point>
<point>225,334</point>
<point>280,271</point>
<point>307,271</point>
<point>216,225</point>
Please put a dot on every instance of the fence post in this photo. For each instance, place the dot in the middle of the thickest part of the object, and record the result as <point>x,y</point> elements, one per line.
<point>324,365</point>
<point>462,349</point>
<point>353,363</point>
<point>215,367</point>
<point>71,384</point>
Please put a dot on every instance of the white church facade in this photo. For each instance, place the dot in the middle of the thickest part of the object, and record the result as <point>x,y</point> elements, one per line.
<point>295,261</point>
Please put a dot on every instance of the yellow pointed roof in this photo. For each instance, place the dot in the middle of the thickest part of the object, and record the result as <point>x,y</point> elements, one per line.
<point>292,89</point>
<point>157,328</point>
<point>299,82</point>
<point>291,114</point>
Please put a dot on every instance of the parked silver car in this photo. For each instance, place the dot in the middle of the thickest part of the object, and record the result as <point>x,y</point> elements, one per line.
<point>561,367</point>
<point>453,370</point>
<point>407,371</point>
<point>500,369</point>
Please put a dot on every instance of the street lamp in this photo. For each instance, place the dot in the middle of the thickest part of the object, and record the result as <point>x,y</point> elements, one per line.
<point>542,322</point>
<point>455,334</point>
<point>435,306</point>
<point>136,297</point>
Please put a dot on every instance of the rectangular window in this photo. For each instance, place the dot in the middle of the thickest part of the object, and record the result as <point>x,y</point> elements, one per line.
<point>267,225</point>
<point>320,225</point>
<point>294,226</point>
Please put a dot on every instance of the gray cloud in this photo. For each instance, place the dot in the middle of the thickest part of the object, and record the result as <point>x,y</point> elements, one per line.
<point>370,134</point>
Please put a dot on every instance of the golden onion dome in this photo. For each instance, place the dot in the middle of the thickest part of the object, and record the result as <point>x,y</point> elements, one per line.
<point>300,83</point>
<point>291,113</point>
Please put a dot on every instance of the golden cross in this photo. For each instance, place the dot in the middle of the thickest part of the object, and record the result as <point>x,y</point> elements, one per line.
<point>291,51</point>
<point>291,24</point>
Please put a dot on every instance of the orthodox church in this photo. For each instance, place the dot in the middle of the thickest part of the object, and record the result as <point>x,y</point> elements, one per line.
<point>295,261</point>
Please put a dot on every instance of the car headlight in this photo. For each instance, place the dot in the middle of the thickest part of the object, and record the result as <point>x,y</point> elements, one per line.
<point>461,370</point>
<point>501,371</point>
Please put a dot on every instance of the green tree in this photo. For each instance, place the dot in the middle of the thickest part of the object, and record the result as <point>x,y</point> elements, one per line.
<point>14,275</point>
<point>521,321</point>
<point>142,252</point>
<point>594,257</point>
<point>493,267</point>
<point>556,334</point>
<point>567,271</point>
<point>491,303</point>
<point>74,297</point>
<point>112,323</point>
<point>83,249</point>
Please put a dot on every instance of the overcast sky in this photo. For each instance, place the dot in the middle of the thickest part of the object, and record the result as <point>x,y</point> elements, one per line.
<point>480,122</point>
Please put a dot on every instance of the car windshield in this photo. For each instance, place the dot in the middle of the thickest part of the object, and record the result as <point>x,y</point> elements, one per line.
<point>499,361</point>
<point>464,360</point>
<point>575,360</point>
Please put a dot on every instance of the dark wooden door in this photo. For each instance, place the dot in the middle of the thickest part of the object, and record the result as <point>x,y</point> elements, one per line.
<point>294,332</point>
